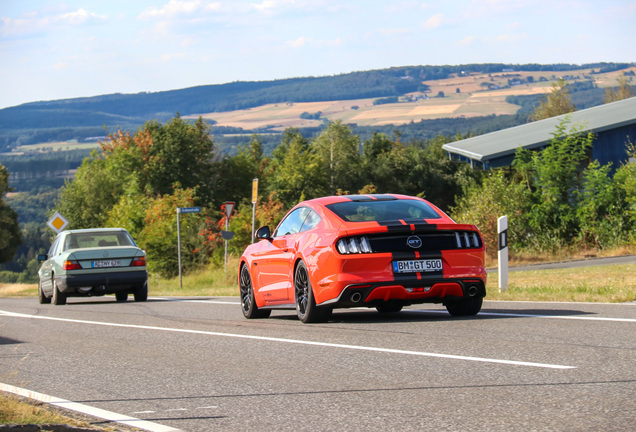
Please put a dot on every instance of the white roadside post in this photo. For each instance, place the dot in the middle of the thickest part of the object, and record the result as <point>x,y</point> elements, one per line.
<point>502,229</point>
<point>254,199</point>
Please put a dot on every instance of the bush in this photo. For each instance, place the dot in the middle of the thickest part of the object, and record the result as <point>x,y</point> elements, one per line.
<point>9,277</point>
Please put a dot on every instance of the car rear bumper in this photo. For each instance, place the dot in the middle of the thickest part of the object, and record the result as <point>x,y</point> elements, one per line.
<point>442,290</point>
<point>100,284</point>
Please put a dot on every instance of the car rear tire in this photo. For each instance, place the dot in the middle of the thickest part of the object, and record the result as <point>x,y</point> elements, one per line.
<point>59,298</point>
<point>41,297</point>
<point>467,307</point>
<point>389,307</point>
<point>121,296</point>
<point>248,304</point>
<point>306,308</point>
<point>141,292</point>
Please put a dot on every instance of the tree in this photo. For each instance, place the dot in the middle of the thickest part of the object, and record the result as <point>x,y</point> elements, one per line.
<point>181,153</point>
<point>159,235</point>
<point>623,91</point>
<point>86,200</point>
<point>552,175</point>
<point>295,172</point>
<point>497,195</point>
<point>556,103</point>
<point>338,153</point>
<point>10,237</point>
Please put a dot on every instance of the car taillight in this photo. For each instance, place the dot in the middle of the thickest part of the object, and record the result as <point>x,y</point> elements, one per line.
<point>467,240</point>
<point>71,265</point>
<point>138,261</point>
<point>354,245</point>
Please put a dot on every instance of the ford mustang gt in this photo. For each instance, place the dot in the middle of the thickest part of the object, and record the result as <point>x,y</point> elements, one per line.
<point>377,251</point>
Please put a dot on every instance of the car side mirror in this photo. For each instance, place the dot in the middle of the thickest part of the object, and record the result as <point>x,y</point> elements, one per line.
<point>263,233</point>
<point>43,257</point>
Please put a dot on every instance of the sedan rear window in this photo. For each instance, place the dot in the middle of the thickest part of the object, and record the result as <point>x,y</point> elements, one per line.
<point>356,211</point>
<point>97,239</point>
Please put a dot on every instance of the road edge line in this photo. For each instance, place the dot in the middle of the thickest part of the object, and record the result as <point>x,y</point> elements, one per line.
<point>88,410</point>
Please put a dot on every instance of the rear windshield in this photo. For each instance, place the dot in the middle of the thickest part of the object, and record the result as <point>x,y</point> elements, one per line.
<point>356,211</point>
<point>98,239</point>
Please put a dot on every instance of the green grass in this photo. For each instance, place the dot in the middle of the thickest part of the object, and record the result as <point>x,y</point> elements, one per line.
<point>607,284</point>
<point>15,410</point>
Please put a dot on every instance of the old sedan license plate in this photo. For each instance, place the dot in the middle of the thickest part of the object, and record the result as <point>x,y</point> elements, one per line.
<point>105,263</point>
<point>417,266</point>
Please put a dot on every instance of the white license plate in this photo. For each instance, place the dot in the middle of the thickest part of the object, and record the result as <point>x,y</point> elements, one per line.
<point>417,266</point>
<point>105,263</point>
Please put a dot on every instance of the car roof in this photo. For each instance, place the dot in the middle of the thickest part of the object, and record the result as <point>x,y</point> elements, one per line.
<point>358,198</point>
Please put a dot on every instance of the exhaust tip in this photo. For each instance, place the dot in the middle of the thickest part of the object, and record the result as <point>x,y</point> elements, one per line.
<point>472,291</point>
<point>355,297</point>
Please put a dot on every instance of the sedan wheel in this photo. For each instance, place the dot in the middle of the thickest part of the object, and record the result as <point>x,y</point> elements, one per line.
<point>141,292</point>
<point>248,304</point>
<point>59,298</point>
<point>41,297</point>
<point>121,296</point>
<point>306,308</point>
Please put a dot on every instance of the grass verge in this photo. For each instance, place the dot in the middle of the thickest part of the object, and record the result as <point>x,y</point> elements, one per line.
<point>604,284</point>
<point>16,410</point>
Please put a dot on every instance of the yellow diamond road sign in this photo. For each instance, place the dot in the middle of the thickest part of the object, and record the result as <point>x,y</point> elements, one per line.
<point>57,223</point>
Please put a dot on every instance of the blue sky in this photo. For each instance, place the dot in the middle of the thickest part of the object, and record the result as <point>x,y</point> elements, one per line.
<point>64,49</point>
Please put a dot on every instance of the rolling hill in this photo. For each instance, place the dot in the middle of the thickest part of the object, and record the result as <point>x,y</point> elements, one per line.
<point>379,98</point>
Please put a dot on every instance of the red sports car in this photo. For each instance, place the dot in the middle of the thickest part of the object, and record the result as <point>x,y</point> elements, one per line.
<point>382,251</point>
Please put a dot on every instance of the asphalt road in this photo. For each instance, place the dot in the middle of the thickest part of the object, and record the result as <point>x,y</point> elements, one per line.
<point>198,365</point>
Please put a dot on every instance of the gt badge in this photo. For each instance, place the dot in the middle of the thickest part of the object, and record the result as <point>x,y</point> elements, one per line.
<point>414,241</point>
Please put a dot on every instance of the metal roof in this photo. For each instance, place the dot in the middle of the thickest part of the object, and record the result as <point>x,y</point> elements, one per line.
<point>537,134</point>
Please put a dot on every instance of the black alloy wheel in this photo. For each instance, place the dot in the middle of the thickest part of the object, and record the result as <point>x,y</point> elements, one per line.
<point>248,304</point>
<point>306,308</point>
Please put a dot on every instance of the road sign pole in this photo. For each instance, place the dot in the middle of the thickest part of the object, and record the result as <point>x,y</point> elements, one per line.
<point>179,246</point>
<point>502,229</point>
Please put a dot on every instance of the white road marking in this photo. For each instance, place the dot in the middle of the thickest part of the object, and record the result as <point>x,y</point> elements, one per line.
<point>88,410</point>
<point>195,301</point>
<point>297,341</point>
<point>522,315</point>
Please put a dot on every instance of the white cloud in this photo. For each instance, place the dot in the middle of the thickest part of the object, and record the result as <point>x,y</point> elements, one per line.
<point>468,40</point>
<point>81,16</point>
<point>33,23</point>
<point>394,31</point>
<point>298,43</point>
<point>178,7</point>
<point>304,41</point>
<point>434,22</point>
<point>511,38</point>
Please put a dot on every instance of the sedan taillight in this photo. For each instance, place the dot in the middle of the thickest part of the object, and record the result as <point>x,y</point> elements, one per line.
<point>354,245</point>
<point>71,265</point>
<point>138,261</point>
